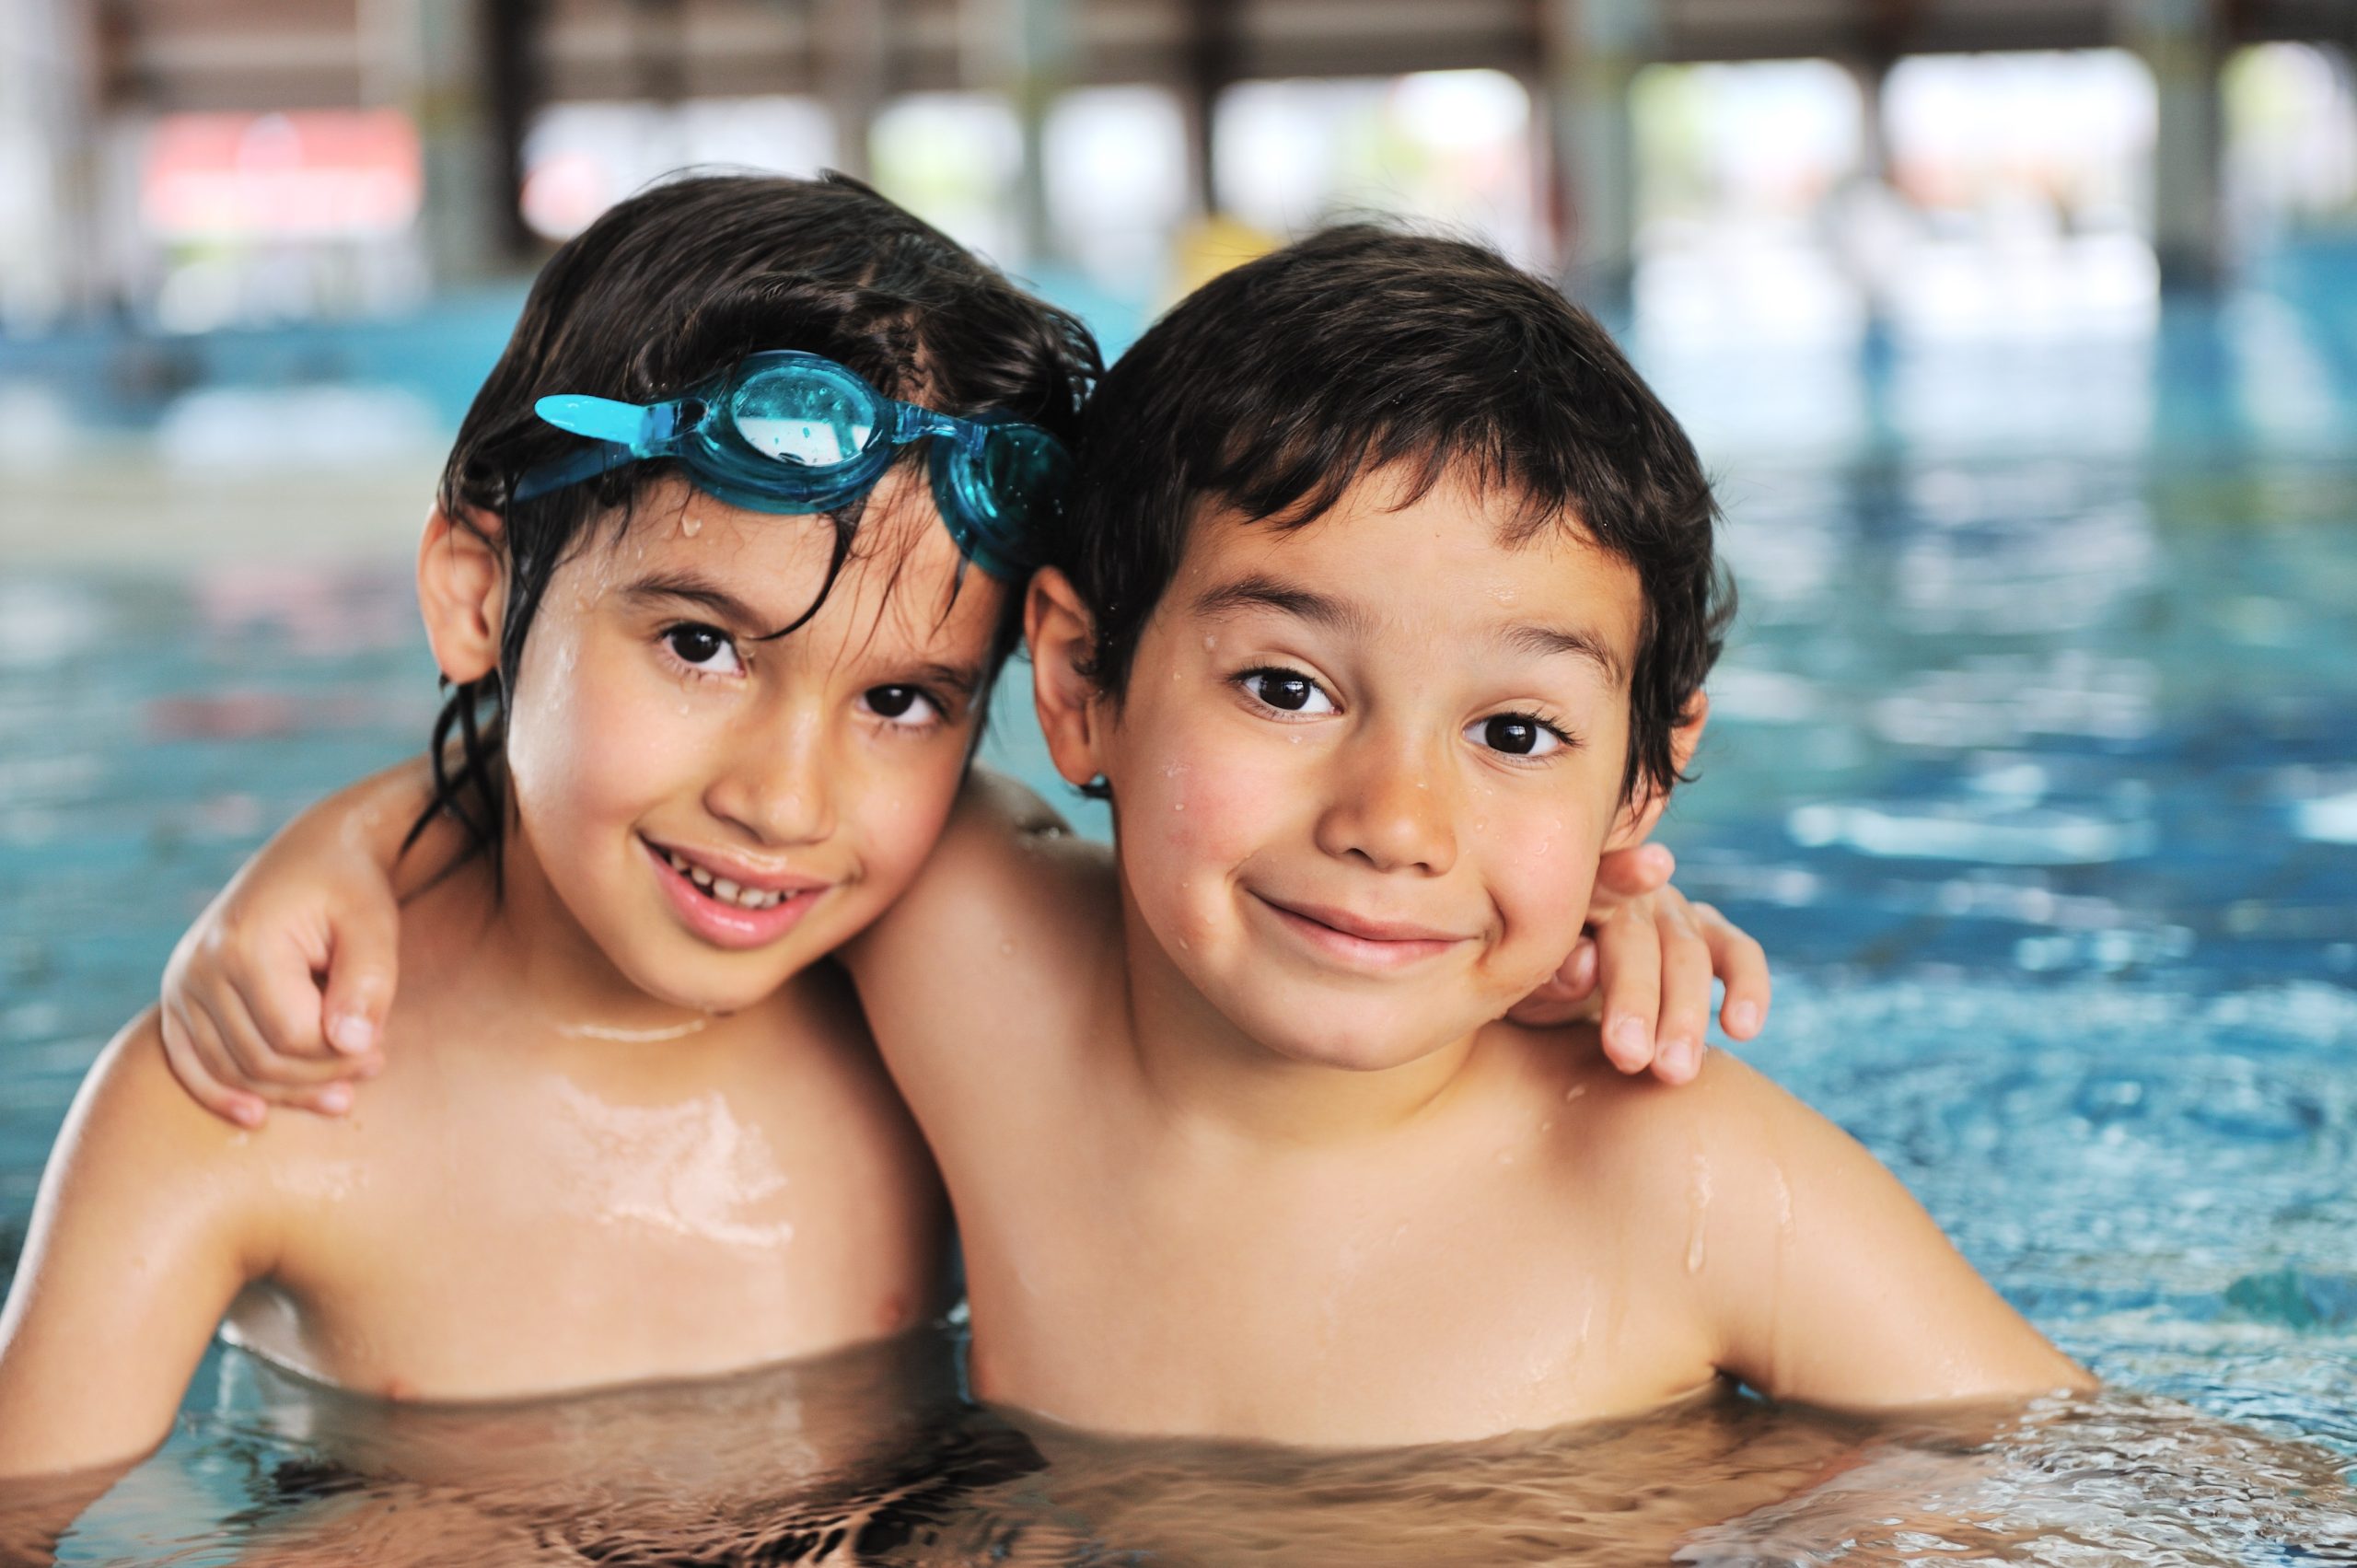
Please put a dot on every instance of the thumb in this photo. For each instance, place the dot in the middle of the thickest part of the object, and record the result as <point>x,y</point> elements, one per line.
<point>1636,871</point>
<point>363,963</point>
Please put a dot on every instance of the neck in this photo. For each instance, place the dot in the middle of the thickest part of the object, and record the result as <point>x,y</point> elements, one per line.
<point>552,969</point>
<point>1204,1068</point>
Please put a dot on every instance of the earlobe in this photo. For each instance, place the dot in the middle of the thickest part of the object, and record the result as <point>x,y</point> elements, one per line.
<point>1061,636</point>
<point>462,590</point>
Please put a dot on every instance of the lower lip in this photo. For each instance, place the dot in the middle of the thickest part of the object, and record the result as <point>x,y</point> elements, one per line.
<point>725,925</point>
<point>1355,952</point>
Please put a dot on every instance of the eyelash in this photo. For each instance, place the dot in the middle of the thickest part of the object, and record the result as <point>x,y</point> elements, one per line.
<point>1242,682</point>
<point>689,667</point>
<point>940,705</point>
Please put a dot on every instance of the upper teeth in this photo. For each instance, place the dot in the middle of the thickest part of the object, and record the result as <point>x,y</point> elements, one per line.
<point>721,887</point>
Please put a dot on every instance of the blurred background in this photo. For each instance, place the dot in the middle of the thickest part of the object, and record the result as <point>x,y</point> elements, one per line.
<point>2021,336</point>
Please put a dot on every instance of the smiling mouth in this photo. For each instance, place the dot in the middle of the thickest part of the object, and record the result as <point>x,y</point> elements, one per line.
<point>744,899</point>
<point>1361,943</point>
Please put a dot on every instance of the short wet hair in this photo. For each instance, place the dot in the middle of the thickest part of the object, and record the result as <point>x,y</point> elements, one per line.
<point>671,288</point>
<point>1277,387</point>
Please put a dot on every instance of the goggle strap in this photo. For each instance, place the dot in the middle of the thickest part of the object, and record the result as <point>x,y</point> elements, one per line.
<point>604,419</point>
<point>571,469</point>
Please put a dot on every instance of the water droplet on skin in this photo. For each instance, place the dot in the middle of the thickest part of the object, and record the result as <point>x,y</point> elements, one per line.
<point>1573,1093</point>
<point>1210,642</point>
<point>1178,806</point>
<point>1547,1126</point>
<point>689,526</point>
<point>1006,949</point>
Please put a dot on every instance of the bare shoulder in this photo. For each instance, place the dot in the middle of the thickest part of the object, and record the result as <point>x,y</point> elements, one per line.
<point>1819,1274</point>
<point>134,1137</point>
<point>1010,898</point>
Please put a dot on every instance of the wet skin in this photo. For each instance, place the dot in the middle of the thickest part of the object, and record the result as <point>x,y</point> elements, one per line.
<point>630,1130</point>
<point>1250,1156</point>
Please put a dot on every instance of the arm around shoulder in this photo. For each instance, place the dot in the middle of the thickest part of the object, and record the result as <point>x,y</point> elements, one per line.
<point>1011,913</point>
<point>148,1222</point>
<point>1830,1284</point>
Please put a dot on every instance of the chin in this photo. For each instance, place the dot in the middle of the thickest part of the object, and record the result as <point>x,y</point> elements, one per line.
<point>1350,1039</point>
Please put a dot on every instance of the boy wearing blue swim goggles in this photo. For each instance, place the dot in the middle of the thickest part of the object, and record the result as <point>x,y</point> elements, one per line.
<point>791,432</point>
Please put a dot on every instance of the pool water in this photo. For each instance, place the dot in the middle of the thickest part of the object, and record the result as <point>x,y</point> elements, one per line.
<point>2034,763</point>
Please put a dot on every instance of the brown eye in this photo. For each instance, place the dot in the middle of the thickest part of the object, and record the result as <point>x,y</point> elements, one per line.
<point>1515,735</point>
<point>1287,690</point>
<point>700,647</point>
<point>904,707</point>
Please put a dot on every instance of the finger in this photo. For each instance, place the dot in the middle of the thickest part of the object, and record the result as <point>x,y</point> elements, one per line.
<point>1685,996</point>
<point>1627,957</point>
<point>1547,1007</point>
<point>1637,870</point>
<point>1742,966</point>
<point>282,996</point>
<point>331,1100</point>
<point>188,1040</point>
<point>363,963</point>
<point>255,1066</point>
<point>1576,977</point>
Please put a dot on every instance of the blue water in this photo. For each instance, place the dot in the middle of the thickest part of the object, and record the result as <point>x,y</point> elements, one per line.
<point>2034,763</point>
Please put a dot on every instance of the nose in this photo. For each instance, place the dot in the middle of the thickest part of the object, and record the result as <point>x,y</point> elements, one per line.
<point>1390,806</point>
<point>775,783</point>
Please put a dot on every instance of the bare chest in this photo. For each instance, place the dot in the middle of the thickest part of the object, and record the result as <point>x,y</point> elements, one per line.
<point>1343,1306</point>
<point>458,1255</point>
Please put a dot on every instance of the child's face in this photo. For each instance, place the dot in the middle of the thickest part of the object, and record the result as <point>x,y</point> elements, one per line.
<point>798,782</point>
<point>1363,771</point>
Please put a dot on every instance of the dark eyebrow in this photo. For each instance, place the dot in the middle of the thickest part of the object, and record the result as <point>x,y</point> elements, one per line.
<point>1259,592</point>
<point>694,589</point>
<point>964,680</point>
<point>1545,641</point>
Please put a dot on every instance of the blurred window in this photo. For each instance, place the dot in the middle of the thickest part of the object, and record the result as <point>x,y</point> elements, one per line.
<point>2291,138</point>
<point>1993,140</point>
<point>1455,147</point>
<point>954,160</point>
<point>580,158</point>
<point>1735,243</point>
<point>316,174</point>
<point>1116,171</point>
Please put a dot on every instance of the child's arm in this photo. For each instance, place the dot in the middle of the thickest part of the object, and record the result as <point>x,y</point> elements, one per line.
<point>1822,1278</point>
<point>278,993</point>
<point>151,1215</point>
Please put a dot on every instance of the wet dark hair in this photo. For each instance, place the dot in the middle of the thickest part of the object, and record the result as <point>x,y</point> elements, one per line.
<point>671,288</point>
<point>1276,388</point>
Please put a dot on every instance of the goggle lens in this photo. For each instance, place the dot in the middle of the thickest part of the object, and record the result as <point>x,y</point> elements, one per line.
<point>809,420</point>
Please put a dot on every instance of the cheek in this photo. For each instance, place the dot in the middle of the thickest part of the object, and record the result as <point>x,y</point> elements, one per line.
<point>1540,867</point>
<point>588,740</point>
<point>898,810</point>
<point>1186,825</point>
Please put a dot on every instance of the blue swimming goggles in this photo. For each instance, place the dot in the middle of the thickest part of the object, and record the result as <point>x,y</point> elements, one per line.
<point>791,432</point>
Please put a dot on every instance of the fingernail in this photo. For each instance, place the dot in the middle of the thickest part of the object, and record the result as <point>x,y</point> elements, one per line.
<point>351,1033</point>
<point>1656,857</point>
<point>335,1100</point>
<point>248,1112</point>
<point>1584,965</point>
<point>1743,1017</point>
<point>1632,1036</point>
<point>1685,1059</point>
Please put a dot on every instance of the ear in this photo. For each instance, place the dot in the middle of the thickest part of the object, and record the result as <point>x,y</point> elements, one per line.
<point>1635,824</point>
<point>1062,636</point>
<point>462,589</point>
